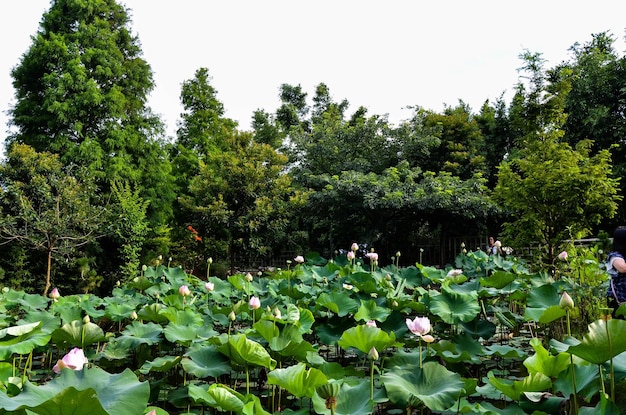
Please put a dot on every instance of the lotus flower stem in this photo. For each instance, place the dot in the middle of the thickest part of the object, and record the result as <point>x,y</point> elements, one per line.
<point>372,379</point>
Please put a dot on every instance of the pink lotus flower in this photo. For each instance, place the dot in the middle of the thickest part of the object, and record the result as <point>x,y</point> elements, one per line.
<point>152,412</point>
<point>209,286</point>
<point>184,290</point>
<point>299,259</point>
<point>455,272</point>
<point>354,247</point>
<point>373,256</point>
<point>74,360</point>
<point>350,255</point>
<point>371,323</point>
<point>421,327</point>
<point>563,256</point>
<point>254,303</point>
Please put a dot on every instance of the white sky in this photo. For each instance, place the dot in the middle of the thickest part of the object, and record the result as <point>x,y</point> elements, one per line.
<point>381,55</point>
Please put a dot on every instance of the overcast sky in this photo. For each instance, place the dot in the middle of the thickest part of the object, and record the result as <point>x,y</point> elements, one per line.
<point>381,55</point>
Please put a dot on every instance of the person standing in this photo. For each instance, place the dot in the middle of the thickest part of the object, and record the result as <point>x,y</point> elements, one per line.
<point>495,247</point>
<point>616,267</point>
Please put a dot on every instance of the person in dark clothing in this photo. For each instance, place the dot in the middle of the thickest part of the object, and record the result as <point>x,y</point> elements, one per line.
<point>616,267</point>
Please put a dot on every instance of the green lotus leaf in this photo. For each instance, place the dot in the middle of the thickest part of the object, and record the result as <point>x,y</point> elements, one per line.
<point>536,382</point>
<point>298,380</point>
<point>299,351</point>
<point>183,334</point>
<point>543,362</point>
<point>453,307</point>
<point>205,361</point>
<point>364,337</point>
<point>218,396</point>
<point>433,385</point>
<point>87,391</point>
<point>369,310</point>
<point>544,315</point>
<point>244,351</point>
<point>604,340</point>
<point>479,328</point>
<point>238,281</point>
<point>152,312</point>
<point>331,331</point>
<point>413,277</point>
<point>20,330</point>
<point>78,334</point>
<point>33,302</point>
<point>544,296</point>
<point>67,308</point>
<point>587,381</point>
<point>25,339</point>
<point>505,351</point>
<point>499,279</point>
<point>176,276</point>
<point>365,281</point>
<point>604,407</point>
<point>138,333</point>
<point>160,364</point>
<point>350,400</point>
<point>462,348</point>
<point>119,311</point>
<point>253,406</point>
<point>116,350</point>
<point>91,305</point>
<point>339,303</point>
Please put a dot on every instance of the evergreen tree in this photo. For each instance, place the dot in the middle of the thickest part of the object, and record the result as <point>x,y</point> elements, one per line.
<point>81,93</point>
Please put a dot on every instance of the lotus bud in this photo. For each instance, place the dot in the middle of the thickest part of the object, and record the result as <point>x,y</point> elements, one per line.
<point>86,320</point>
<point>277,313</point>
<point>54,294</point>
<point>566,301</point>
<point>371,323</point>
<point>133,315</point>
<point>210,260</point>
<point>563,256</point>
<point>373,354</point>
<point>249,277</point>
<point>144,268</point>
<point>232,316</point>
<point>394,304</point>
<point>299,259</point>
<point>254,303</point>
<point>350,255</point>
<point>184,290</point>
<point>354,247</point>
<point>209,286</point>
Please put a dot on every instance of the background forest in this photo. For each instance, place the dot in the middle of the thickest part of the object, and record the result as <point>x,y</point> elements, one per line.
<point>90,189</point>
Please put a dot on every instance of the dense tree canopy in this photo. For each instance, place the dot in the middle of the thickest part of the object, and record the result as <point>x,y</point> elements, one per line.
<point>81,91</point>
<point>46,208</point>
<point>310,174</point>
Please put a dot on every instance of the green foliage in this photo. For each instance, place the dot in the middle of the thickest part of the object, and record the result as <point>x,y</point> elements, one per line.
<point>46,208</point>
<point>130,226</point>
<point>81,93</point>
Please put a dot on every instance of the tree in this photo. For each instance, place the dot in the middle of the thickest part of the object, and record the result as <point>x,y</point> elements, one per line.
<point>241,198</point>
<point>462,148</point>
<point>45,207</point>
<point>81,93</point>
<point>595,105</point>
<point>551,190</point>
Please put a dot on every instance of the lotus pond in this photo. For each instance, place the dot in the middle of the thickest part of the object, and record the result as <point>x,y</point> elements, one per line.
<point>344,336</point>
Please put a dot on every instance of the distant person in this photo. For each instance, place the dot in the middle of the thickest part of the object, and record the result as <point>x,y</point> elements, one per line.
<point>495,246</point>
<point>616,267</point>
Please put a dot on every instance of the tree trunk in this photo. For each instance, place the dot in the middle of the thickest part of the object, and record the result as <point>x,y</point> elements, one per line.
<point>48,271</point>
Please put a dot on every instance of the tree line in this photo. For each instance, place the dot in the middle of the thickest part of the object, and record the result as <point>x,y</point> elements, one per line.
<point>90,188</point>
